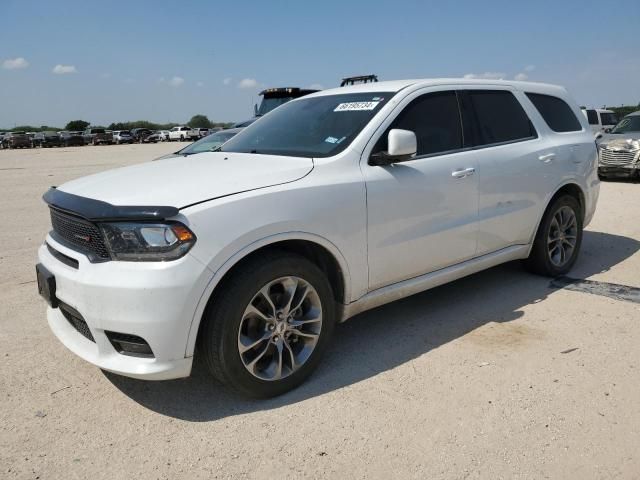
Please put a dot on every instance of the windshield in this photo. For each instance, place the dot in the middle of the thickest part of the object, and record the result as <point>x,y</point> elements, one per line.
<point>628,124</point>
<point>310,127</point>
<point>207,144</point>
<point>608,118</point>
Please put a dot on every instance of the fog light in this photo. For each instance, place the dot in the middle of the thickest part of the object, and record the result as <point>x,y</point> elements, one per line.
<point>129,344</point>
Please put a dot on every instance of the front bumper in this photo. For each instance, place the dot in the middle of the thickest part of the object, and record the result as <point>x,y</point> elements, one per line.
<point>152,300</point>
<point>619,170</point>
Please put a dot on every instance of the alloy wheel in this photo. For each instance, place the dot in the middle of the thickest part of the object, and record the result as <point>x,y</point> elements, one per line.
<point>280,328</point>
<point>562,237</point>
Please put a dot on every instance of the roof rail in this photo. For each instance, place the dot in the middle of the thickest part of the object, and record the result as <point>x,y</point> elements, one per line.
<point>359,79</point>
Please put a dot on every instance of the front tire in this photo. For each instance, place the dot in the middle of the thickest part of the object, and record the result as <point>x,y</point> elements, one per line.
<point>558,240</point>
<point>265,330</point>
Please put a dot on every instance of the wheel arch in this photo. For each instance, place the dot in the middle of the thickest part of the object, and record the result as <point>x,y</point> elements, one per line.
<point>317,249</point>
<point>567,188</point>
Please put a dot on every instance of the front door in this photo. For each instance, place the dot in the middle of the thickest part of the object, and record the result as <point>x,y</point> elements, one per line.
<point>422,213</point>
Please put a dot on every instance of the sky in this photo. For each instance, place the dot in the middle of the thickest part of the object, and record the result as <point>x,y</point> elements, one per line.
<point>165,61</point>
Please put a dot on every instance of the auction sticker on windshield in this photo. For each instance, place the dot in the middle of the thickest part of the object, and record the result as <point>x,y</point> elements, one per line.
<point>356,106</point>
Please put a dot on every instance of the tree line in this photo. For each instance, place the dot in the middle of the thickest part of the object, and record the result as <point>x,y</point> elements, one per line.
<point>197,121</point>
<point>624,110</point>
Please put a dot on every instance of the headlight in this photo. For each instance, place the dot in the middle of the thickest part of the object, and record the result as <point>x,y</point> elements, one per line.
<point>147,242</point>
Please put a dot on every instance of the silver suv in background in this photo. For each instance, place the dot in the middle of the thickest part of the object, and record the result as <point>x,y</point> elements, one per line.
<point>619,150</point>
<point>122,136</point>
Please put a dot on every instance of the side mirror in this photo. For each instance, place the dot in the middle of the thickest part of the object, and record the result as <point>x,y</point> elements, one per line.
<point>402,145</point>
<point>607,130</point>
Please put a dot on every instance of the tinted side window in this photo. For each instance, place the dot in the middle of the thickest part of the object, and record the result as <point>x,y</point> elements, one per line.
<point>592,117</point>
<point>555,112</point>
<point>499,117</point>
<point>435,119</point>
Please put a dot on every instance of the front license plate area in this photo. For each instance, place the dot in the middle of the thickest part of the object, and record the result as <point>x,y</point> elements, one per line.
<point>46,285</point>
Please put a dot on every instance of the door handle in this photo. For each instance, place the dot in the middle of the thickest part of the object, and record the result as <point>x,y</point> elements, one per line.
<point>463,173</point>
<point>548,158</point>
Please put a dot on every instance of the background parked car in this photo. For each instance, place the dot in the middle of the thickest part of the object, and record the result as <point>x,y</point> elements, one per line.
<point>46,139</point>
<point>619,150</point>
<point>203,132</point>
<point>209,143</point>
<point>182,134</point>
<point>16,140</point>
<point>97,136</point>
<point>122,136</point>
<point>153,138</point>
<point>72,139</point>
<point>140,134</point>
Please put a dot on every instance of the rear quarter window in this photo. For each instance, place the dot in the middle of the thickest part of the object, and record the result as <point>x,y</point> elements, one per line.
<point>555,112</point>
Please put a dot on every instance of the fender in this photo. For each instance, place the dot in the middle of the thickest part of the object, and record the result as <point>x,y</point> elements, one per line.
<point>242,253</point>
<point>547,200</point>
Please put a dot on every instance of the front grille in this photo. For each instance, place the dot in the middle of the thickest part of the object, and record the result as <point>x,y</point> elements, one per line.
<point>80,233</point>
<point>77,322</point>
<point>617,157</point>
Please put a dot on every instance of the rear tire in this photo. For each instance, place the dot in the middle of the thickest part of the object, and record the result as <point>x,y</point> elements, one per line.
<point>289,342</point>
<point>558,239</point>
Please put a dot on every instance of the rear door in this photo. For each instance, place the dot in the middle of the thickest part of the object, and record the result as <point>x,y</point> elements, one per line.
<point>422,212</point>
<point>516,168</point>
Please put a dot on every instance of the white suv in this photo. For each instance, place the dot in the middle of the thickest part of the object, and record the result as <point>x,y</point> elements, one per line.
<point>330,205</point>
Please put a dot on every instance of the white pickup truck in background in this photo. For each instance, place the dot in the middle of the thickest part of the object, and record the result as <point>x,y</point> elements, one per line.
<point>183,133</point>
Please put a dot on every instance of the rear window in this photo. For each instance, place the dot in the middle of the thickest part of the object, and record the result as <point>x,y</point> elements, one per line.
<point>500,117</point>
<point>555,112</point>
<point>592,117</point>
<point>608,118</point>
<point>97,130</point>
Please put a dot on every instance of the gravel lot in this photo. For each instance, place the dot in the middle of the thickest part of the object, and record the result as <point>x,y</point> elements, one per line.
<point>499,375</point>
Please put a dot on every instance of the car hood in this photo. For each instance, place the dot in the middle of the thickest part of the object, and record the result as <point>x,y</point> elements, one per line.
<point>180,182</point>
<point>619,137</point>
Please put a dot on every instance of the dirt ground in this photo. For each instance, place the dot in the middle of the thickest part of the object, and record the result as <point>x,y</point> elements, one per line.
<point>500,375</point>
